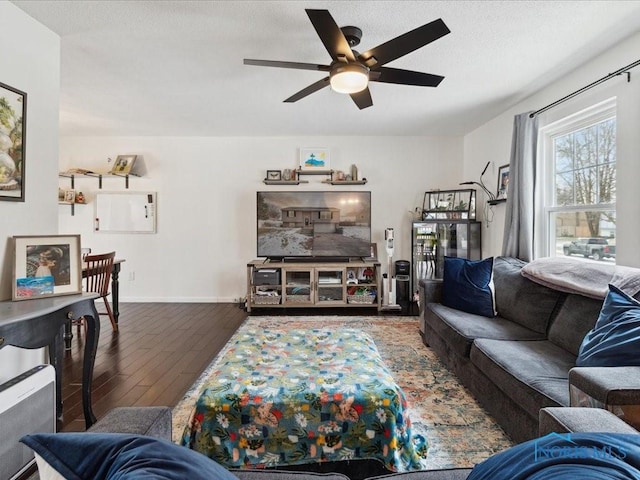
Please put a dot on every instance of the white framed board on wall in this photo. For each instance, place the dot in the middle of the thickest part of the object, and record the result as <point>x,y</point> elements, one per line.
<point>125,212</point>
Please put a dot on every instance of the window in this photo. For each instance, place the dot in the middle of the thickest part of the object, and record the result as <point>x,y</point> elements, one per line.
<point>579,185</point>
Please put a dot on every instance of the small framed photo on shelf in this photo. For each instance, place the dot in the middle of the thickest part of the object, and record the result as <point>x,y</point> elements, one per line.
<point>503,182</point>
<point>123,164</point>
<point>69,196</point>
<point>314,159</point>
<point>274,175</point>
<point>46,266</point>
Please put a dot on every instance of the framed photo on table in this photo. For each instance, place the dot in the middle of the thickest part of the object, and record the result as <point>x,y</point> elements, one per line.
<point>46,266</point>
<point>314,159</point>
<point>503,182</point>
<point>13,120</point>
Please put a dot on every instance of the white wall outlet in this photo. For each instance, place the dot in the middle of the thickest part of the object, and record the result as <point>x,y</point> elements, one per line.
<point>132,276</point>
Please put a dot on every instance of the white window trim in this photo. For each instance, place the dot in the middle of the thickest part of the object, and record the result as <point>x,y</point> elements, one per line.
<point>544,188</point>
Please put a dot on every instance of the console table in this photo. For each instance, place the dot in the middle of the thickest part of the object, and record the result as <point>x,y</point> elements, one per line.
<point>311,284</point>
<point>40,323</point>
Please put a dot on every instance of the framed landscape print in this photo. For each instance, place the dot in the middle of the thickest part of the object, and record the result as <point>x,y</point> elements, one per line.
<point>13,115</point>
<point>46,266</point>
<point>314,159</point>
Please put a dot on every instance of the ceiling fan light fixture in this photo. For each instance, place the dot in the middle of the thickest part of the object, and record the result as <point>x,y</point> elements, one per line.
<point>349,78</point>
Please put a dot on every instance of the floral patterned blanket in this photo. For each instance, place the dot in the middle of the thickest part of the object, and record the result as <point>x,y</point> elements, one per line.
<point>303,396</point>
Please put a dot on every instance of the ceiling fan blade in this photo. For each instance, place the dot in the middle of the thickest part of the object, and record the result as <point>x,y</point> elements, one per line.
<point>362,99</point>
<point>406,77</point>
<point>314,87</point>
<point>404,44</point>
<point>296,65</point>
<point>330,34</point>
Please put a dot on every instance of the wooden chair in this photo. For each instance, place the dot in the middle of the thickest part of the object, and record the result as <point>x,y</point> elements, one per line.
<point>97,277</point>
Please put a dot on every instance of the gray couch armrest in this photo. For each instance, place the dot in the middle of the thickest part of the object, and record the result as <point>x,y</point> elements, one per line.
<point>608,385</point>
<point>580,419</point>
<point>151,421</point>
<point>430,290</point>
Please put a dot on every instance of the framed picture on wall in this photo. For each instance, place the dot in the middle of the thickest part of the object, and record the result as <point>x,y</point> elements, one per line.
<point>13,120</point>
<point>46,266</point>
<point>314,159</point>
<point>503,182</point>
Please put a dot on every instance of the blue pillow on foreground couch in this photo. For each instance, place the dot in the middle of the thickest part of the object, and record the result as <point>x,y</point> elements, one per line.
<point>570,456</point>
<point>111,456</point>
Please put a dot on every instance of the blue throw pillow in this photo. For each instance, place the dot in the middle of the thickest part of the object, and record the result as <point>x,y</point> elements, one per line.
<point>614,341</point>
<point>110,456</point>
<point>467,285</point>
<point>570,456</point>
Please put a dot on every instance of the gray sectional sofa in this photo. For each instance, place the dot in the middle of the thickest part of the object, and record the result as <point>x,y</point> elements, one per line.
<point>518,362</point>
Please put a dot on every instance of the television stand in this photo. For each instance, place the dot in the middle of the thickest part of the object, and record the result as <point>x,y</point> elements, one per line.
<point>315,259</point>
<point>316,283</point>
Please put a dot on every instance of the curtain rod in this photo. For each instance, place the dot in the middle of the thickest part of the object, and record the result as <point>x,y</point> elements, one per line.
<point>591,85</point>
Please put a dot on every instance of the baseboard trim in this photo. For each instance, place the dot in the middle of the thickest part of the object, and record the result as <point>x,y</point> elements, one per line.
<point>178,299</point>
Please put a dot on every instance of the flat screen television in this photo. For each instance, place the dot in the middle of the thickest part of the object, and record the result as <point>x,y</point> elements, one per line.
<point>309,224</point>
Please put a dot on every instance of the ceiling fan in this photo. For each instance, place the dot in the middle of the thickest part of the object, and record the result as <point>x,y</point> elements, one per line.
<point>350,72</point>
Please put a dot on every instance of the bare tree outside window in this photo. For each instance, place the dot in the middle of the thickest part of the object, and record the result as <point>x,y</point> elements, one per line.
<point>581,199</point>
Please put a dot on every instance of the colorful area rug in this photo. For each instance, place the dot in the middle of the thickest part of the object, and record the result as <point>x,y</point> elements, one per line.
<point>460,433</point>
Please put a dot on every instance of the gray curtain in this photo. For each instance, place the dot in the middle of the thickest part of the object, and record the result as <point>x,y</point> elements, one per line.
<point>519,218</point>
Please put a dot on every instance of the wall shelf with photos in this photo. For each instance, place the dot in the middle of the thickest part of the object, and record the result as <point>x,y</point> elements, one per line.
<point>124,167</point>
<point>277,177</point>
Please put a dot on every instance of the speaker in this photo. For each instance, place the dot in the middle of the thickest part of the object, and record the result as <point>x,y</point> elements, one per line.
<point>27,405</point>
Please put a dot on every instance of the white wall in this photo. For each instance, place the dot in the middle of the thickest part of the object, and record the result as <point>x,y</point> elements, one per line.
<point>30,56</point>
<point>206,208</point>
<point>492,141</point>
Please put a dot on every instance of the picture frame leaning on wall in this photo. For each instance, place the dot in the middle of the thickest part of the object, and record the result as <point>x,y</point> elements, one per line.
<point>46,266</point>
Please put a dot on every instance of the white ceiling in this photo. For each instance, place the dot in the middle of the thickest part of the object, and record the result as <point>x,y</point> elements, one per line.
<point>174,68</point>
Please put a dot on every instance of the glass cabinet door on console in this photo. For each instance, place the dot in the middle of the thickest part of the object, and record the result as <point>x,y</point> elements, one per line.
<point>297,286</point>
<point>330,285</point>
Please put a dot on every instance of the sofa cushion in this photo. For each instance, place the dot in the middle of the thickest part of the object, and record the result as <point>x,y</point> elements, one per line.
<point>615,339</point>
<point>575,318</point>
<point>467,285</point>
<point>521,300</point>
<point>150,421</point>
<point>534,374</point>
<point>460,329</point>
<point>78,456</point>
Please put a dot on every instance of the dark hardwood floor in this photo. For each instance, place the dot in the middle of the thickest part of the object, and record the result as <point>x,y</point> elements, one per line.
<point>159,352</point>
